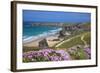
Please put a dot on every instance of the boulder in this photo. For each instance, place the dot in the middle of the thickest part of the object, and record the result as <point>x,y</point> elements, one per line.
<point>43,44</point>
<point>61,34</point>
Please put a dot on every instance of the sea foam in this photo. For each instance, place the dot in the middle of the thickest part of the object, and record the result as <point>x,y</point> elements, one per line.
<point>27,39</point>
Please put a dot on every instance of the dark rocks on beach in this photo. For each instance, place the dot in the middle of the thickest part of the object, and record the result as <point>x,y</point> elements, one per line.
<point>43,44</point>
<point>56,39</point>
<point>61,34</point>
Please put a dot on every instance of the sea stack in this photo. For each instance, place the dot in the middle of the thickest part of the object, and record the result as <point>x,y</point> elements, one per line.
<point>43,44</point>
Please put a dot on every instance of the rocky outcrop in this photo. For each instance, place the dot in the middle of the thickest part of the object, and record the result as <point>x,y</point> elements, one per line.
<point>85,27</point>
<point>43,44</point>
<point>55,24</point>
<point>62,34</point>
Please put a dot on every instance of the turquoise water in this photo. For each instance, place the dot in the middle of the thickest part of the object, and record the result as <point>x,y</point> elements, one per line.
<point>31,33</point>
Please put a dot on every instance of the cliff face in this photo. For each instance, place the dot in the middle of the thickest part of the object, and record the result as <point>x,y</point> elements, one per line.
<point>48,24</point>
<point>85,27</point>
<point>65,26</point>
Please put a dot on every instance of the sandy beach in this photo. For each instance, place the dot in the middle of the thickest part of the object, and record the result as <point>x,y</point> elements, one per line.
<point>50,40</point>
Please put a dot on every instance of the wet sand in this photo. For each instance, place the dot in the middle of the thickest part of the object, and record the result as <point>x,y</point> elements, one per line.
<point>51,40</point>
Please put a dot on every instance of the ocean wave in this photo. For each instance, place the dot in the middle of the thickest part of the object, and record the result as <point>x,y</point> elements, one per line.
<point>27,39</point>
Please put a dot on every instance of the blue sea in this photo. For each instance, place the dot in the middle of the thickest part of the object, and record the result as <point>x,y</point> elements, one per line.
<point>31,33</point>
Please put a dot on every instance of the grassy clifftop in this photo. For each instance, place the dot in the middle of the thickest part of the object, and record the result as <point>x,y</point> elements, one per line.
<point>75,40</point>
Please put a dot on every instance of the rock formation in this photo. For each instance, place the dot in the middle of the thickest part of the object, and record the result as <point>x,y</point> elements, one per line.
<point>43,44</point>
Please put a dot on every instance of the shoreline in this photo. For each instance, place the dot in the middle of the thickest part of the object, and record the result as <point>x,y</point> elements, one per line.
<point>42,35</point>
<point>50,41</point>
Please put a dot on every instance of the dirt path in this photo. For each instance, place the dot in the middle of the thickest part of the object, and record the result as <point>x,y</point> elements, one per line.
<point>66,40</point>
<point>82,38</point>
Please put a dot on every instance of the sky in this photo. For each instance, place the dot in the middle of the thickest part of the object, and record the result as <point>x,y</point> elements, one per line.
<point>55,16</point>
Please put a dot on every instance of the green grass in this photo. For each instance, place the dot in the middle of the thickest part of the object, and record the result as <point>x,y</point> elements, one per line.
<point>27,49</point>
<point>75,33</point>
<point>79,54</point>
<point>71,43</point>
<point>76,41</point>
<point>87,38</point>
